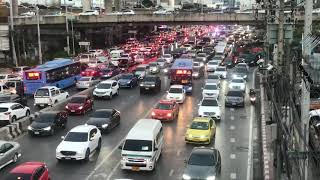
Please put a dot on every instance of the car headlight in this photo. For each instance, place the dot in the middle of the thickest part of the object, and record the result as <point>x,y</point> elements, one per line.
<point>47,128</point>
<point>230,86</point>
<point>211,178</point>
<point>165,70</point>
<point>104,126</point>
<point>190,88</point>
<point>81,107</point>
<point>245,76</point>
<point>128,82</point>
<point>203,136</point>
<point>153,85</point>
<point>29,128</point>
<point>186,177</point>
<point>190,135</point>
<point>141,85</point>
<point>234,76</point>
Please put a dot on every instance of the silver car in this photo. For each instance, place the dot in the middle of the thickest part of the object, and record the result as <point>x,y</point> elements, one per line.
<point>9,152</point>
<point>154,68</point>
<point>235,98</point>
<point>86,82</point>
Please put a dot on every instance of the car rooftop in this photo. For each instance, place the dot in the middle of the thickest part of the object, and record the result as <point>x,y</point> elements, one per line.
<point>7,104</point>
<point>165,101</point>
<point>143,124</point>
<point>176,86</point>
<point>27,167</point>
<point>82,128</point>
<point>108,81</point>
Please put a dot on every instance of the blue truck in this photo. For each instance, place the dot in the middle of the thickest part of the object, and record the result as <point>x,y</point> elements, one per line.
<point>181,73</point>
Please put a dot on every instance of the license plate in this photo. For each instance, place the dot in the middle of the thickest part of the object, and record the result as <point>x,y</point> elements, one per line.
<point>147,88</point>
<point>233,103</point>
<point>36,133</point>
<point>184,81</point>
<point>73,111</point>
<point>42,105</point>
<point>134,168</point>
<point>67,158</point>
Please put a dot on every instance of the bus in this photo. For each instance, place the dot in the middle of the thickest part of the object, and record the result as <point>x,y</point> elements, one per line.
<point>181,73</point>
<point>62,73</point>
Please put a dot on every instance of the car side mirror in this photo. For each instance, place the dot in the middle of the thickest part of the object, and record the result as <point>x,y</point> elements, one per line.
<point>92,138</point>
<point>167,91</point>
<point>155,149</point>
<point>62,137</point>
<point>95,86</point>
<point>120,147</point>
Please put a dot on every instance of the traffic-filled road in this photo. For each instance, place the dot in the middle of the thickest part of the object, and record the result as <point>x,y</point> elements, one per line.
<point>232,139</point>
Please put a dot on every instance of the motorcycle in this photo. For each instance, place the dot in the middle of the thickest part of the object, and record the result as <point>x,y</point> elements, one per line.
<point>253,99</point>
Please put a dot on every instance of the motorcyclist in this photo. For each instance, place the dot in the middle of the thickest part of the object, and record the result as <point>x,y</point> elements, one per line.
<point>252,92</point>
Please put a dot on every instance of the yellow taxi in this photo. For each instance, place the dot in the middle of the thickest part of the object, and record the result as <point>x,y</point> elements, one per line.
<point>201,130</point>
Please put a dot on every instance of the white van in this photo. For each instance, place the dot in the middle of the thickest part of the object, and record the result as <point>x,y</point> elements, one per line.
<point>115,56</point>
<point>142,146</point>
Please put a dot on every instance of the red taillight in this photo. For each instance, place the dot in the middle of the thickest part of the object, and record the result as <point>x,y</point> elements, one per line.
<point>83,73</point>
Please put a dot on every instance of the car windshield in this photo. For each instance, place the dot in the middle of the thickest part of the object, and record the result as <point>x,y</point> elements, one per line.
<point>237,81</point>
<point>76,137</point>
<point>3,109</point>
<point>167,56</point>
<point>213,63</point>
<point>153,64</point>
<point>213,77</point>
<point>104,86</point>
<point>201,159</point>
<point>161,60</point>
<point>164,106</point>
<point>241,70</point>
<point>77,100</point>
<point>45,117</point>
<point>16,69</point>
<point>140,69</point>
<point>18,176</point>
<point>209,102</point>
<point>149,79</point>
<point>201,55</point>
<point>235,93</point>
<point>137,145</point>
<point>196,69</point>
<point>199,125</point>
<point>126,76</point>
<point>220,69</point>
<point>175,90</point>
<point>101,114</point>
<point>85,79</point>
<point>211,87</point>
<point>42,92</point>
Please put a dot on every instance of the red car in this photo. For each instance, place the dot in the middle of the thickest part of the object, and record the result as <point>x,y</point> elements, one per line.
<point>91,71</point>
<point>166,110</point>
<point>79,104</point>
<point>29,171</point>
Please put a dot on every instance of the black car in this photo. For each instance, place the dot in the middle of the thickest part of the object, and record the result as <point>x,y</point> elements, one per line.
<point>197,72</point>
<point>128,80</point>
<point>13,98</point>
<point>235,98</point>
<point>150,83</point>
<point>105,119</point>
<point>109,72</point>
<point>203,163</point>
<point>47,122</point>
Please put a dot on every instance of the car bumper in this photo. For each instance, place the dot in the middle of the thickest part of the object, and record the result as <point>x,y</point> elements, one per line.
<point>39,132</point>
<point>75,111</point>
<point>197,140</point>
<point>210,96</point>
<point>215,117</point>
<point>162,118</point>
<point>62,157</point>
<point>82,86</point>
<point>177,100</point>
<point>211,69</point>
<point>124,85</point>
<point>232,103</point>
<point>136,167</point>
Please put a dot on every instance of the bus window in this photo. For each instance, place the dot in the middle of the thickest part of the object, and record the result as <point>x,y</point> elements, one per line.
<point>33,75</point>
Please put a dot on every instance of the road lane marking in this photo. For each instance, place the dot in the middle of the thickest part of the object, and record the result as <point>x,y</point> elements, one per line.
<point>116,148</point>
<point>249,167</point>
<point>231,109</point>
<point>233,176</point>
<point>231,118</point>
<point>232,127</point>
<point>171,172</point>
<point>232,156</point>
<point>113,170</point>
<point>178,152</point>
<point>232,140</point>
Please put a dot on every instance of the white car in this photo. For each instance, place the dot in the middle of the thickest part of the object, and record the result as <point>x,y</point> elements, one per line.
<point>9,77</point>
<point>86,82</point>
<point>244,65</point>
<point>49,95</point>
<point>114,13</point>
<point>210,90</point>
<point>187,46</point>
<point>162,12</point>
<point>213,78</point>
<point>212,65</point>
<point>168,58</point>
<point>141,71</point>
<point>10,112</point>
<point>29,13</point>
<point>210,107</point>
<point>128,12</point>
<point>203,56</point>
<point>221,71</point>
<point>89,13</point>
<point>106,88</point>
<point>176,92</point>
<point>237,84</point>
<point>79,143</point>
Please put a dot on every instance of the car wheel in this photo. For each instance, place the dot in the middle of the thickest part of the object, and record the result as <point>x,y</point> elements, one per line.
<point>56,101</point>
<point>64,125</point>
<point>27,113</point>
<point>13,119</point>
<point>110,96</point>
<point>117,92</point>
<point>59,160</point>
<point>86,158</point>
<point>52,131</point>
<point>99,145</point>
<point>131,85</point>
<point>15,158</point>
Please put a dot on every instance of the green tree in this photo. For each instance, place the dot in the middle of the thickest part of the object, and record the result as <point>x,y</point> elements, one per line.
<point>147,3</point>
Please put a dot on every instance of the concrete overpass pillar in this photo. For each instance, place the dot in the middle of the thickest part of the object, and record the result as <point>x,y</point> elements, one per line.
<point>117,4</point>
<point>108,6</point>
<point>14,7</point>
<point>86,5</point>
<point>171,3</point>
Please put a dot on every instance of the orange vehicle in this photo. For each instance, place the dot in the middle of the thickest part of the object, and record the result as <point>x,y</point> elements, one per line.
<point>166,110</point>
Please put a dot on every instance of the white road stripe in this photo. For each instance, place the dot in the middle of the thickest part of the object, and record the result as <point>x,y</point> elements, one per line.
<point>231,118</point>
<point>232,127</point>
<point>233,176</point>
<point>249,169</point>
<point>171,172</point>
<point>232,156</point>
<point>113,170</point>
<point>178,152</point>
<point>232,140</point>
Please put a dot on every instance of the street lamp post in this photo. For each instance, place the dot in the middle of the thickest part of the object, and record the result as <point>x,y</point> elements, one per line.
<point>67,27</point>
<point>13,50</point>
<point>38,29</point>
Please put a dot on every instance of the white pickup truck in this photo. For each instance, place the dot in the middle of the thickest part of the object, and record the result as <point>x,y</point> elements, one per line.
<point>49,95</point>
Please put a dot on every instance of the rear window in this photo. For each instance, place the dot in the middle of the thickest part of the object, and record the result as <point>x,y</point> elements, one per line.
<point>85,79</point>
<point>163,106</point>
<point>42,92</point>
<point>3,110</point>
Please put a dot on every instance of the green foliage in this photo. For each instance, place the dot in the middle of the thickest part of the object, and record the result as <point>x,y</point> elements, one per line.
<point>147,3</point>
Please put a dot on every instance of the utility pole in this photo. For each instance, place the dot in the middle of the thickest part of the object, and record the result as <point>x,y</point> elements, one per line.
<point>281,38</point>
<point>38,29</point>
<point>305,104</point>
<point>13,50</point>
<point>67,28</point>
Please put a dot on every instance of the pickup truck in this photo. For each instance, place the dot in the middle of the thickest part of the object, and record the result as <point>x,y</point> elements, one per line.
<point>48,96</point>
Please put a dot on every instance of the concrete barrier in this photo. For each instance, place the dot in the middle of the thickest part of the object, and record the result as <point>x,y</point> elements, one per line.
<point>12,131</point>
<point>25,122</point>
<point>4,133</point>
<point>18,129</point>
